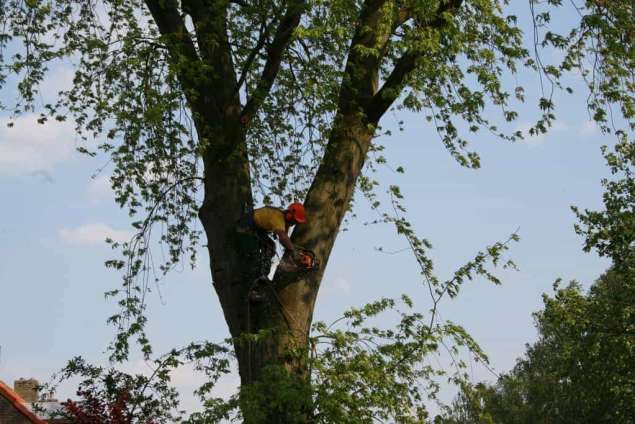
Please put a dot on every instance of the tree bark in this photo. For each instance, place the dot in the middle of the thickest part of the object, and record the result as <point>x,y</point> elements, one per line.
<point>277,360</point>
<point>266,365</point>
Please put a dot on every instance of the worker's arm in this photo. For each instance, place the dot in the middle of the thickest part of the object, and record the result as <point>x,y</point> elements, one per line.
<point>285,240</point>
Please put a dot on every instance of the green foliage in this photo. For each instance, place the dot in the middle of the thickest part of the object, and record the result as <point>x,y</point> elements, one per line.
<point>359,372</point>
<point>156,102</point>
<point>142,95</point>
<point>612,231</point>
<point>600,48</point>
<point>369,373</point>
<point>381,361</point>
<point>580,369</point>
<point>150,397</point>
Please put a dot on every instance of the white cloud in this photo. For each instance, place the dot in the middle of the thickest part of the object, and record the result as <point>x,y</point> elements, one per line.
<point>338,286</point>
<point>29,147</point>
<point>539,138</point>
<point>589,128</point>
<point>99,189</point>
<point>93,234</point>
<point>186,379</point>
<point>60,78</point>
<point>532,140</point>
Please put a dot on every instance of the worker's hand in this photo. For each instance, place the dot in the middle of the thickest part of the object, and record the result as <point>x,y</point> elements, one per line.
<point>296,256</point>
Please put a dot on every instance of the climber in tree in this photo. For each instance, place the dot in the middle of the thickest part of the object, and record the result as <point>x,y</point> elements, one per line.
<point>258,226</point>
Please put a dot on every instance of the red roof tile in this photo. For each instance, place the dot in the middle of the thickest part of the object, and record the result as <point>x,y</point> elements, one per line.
<point>18,403</point>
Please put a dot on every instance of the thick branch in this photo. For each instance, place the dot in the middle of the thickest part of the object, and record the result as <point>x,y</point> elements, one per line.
<point>262,39</point>
<point>180,46</point>
<point>391,89</point>
<point>361,77</point>
<point>393,85</point>
<point>281,39</point>
<point>210,25</point>
<point>329,196</point>
<point>168,20</point>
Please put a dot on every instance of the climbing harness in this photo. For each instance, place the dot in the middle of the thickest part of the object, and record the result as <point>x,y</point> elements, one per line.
<point>253,240</point>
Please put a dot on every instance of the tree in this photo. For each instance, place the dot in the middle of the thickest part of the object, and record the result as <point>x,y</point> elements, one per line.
<point>279,100</point>
<point>580,369</point>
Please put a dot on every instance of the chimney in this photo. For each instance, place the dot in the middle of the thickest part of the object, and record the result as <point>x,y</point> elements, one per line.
<point>27,389</point>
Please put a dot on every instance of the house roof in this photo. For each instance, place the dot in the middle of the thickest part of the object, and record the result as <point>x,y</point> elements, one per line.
<point>18,403</point>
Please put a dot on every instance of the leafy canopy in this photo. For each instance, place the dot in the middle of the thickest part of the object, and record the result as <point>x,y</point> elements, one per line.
<point>144,97</point>
<point>580,369</point>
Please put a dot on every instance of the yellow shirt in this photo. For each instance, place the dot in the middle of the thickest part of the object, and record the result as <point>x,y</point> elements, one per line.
<point>270,219</point>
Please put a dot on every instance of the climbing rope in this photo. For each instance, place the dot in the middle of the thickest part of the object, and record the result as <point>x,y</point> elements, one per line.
<point>284,310</point>
<point>286,314</point>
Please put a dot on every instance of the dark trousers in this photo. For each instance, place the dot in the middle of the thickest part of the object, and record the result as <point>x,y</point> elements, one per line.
<point>256,245</point>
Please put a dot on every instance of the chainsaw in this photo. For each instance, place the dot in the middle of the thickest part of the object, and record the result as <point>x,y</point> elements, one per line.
<point>307,261</point>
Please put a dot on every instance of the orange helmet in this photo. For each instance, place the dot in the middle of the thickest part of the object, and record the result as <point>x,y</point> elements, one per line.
<point>295,211</point>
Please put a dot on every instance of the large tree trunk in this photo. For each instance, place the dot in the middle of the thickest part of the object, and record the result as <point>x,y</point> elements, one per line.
<point>267,362</point>
<point>275,365</point>
<point>277,360</point>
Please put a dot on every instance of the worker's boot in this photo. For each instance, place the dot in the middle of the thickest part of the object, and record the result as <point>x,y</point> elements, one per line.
<point>263,280</point>
<point>256,296</point>
<point>257,291</point>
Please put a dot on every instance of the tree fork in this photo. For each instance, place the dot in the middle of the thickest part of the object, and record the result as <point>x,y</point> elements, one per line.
<point>221,123</point>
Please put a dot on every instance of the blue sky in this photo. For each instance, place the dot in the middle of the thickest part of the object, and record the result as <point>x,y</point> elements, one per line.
<point>55,217</point>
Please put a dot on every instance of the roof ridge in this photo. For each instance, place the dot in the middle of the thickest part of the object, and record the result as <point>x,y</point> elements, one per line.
<point>18,403</point>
